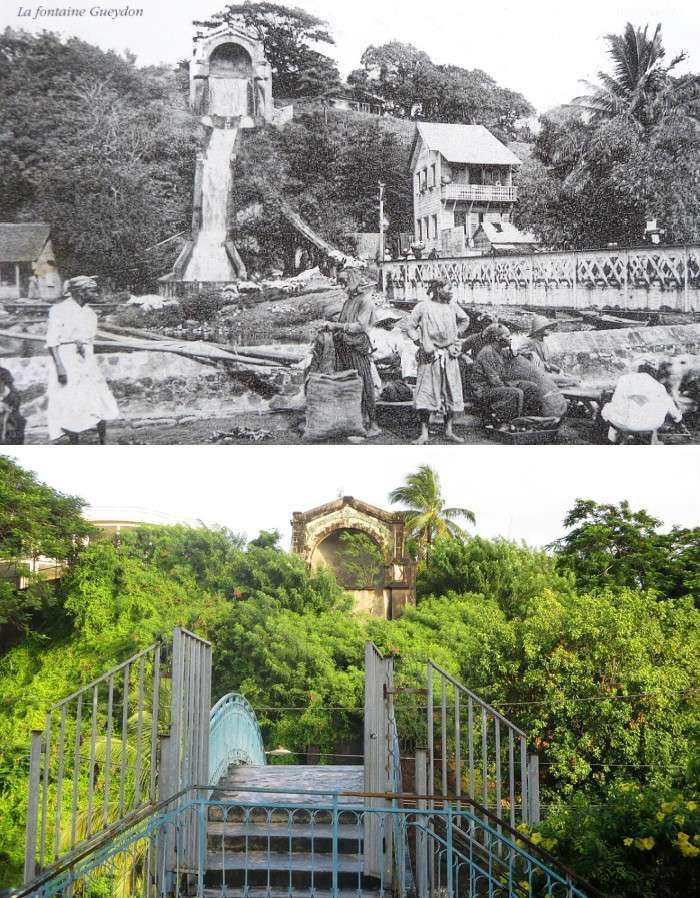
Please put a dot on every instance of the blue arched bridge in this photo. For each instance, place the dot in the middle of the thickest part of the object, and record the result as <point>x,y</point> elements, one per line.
<point>139,787</point>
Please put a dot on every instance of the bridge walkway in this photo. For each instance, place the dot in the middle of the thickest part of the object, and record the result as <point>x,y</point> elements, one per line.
<point>286,848</point>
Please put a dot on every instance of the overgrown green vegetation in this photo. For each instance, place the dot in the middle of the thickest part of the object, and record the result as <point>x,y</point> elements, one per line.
<point>600,674</point>
<point>627,152</point>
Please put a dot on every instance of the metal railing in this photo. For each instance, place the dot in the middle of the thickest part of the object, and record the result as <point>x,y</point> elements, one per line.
<point>113,747</point>
<point>479,753</point>
<point>234,736</point>
<point>310,843</point>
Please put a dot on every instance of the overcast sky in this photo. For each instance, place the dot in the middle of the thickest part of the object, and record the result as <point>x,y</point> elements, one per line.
<point>540,48</point>
<point>520,493</point>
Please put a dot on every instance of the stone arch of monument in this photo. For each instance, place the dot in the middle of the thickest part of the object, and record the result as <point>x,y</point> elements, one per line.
<point>381,578</point>
<point>230,60</point>
<point>231,78</point>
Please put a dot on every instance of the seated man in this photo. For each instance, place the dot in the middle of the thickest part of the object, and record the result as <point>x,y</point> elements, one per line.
<point>496,390</point>
<point>550,401</point>
<point>533,346</point>
<point>12,422</point>
<point>640,405</point>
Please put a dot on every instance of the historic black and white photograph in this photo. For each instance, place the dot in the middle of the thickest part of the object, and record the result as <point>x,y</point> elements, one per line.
<point>365,223</point>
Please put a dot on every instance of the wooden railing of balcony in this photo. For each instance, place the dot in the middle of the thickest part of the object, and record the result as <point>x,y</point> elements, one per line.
<point>480,193</point>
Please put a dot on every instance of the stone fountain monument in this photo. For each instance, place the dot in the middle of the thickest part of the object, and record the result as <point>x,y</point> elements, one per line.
<point>230,90</point>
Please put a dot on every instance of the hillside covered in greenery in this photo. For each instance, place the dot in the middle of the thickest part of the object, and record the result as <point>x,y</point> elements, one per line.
<point>600,670</point>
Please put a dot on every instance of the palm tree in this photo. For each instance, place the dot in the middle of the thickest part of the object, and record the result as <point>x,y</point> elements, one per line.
<point>427,518</point>
<point>641,86</point>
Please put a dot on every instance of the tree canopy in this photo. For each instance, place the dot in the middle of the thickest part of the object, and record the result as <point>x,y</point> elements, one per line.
<point>35,521</point>
<point>627,152</point>
<point>614,546</point>
<point>415,87</point>
<point>428,517</point>
<point>102,150</point>
<point>288,35</point>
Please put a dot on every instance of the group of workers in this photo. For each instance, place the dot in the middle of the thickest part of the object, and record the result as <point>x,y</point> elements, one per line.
<point>504,377</point>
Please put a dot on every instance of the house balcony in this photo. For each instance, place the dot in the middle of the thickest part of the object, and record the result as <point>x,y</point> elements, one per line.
<point>480,193</point>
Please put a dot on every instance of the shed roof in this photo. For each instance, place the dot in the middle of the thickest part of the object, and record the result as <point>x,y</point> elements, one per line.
<point>470,144</point>
<point>503,233</point>
<point>22,242</point>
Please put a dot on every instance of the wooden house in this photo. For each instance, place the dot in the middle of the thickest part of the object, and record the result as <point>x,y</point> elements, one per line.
<point>462,177</point>
<point>499,237</point>
<point>26,252</point>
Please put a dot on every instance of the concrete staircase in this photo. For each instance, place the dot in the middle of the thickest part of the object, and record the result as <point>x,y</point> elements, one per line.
<point>286,853</point>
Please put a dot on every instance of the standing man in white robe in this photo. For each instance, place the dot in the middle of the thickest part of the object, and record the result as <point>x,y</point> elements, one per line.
<point>79,398</point>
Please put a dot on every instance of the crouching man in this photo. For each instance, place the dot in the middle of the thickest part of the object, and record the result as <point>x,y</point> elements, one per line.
<point>496,389</point>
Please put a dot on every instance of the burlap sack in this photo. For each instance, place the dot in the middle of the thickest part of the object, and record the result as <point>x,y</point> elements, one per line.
<point>333,406</point>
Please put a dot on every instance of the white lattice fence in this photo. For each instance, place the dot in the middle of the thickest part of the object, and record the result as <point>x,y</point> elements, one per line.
<point>632,279</point>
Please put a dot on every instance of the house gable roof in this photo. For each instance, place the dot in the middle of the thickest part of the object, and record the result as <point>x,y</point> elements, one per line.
<point>22,242</point>
<point>468,144</point>
<point>501,233</point>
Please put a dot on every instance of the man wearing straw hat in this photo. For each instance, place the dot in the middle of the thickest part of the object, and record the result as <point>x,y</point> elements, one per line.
<point>78,396</point>
<point>532,346</point>
<point>353,347</point>
<point>433,328</point>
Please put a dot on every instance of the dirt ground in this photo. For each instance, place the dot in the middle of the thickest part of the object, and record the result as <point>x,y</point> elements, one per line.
<point>284,428</point>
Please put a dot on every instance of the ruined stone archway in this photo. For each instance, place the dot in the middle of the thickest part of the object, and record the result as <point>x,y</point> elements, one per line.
<point>364,546</point>
<point>355,556</point>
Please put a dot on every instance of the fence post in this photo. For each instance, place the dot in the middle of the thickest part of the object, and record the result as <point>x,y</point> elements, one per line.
<point>448,848</point>
<point>686,295</point>
<point>421,825</point>
<point>32,805</point>
<point>533,789</point>
<point>334,873</point>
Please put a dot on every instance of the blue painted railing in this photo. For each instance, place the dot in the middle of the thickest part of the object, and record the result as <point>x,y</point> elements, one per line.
<point>253,847</point>
<point>234,736</point>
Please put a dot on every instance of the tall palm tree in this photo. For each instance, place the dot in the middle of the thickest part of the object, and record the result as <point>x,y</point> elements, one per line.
<point>427,517</point>
<point>641,86</point>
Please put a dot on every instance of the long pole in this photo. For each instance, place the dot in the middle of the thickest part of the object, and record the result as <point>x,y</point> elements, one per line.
<point>381,232</point>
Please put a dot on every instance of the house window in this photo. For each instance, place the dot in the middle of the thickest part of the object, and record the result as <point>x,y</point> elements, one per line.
<point>426,226</point>
<point>418,182</point>
<point>8,277</point>
<point>435,227</point>
<point>432,175</point>
<point>420,231</point>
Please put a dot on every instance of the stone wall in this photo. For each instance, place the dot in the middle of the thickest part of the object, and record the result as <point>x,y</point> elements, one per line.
<point>600,357</point>
<point>149,387</point>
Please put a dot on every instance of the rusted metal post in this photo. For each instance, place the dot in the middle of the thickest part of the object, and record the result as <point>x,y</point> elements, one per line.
<point>533,789</point>
<point>422,884</point>
<point>32,805</point>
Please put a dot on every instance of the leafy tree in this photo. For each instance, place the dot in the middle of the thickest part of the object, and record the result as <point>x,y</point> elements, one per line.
<point>513,575</point>
<point>614,546</point>
<point>325,170</point>
<point>427,517</point>
<point>287,35</point>
<point>100,149</point>
<point>35,521</point>
<point>638,841</point>
<point>361,560</point>
<point>414,86</point>
<point>627,153</point>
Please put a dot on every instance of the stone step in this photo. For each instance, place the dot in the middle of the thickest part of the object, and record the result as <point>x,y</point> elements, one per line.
<point>279,836</point>
<point>236,783</point>
<point>264,892</point>
<point>278,829</point>
<point>298,861</point>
